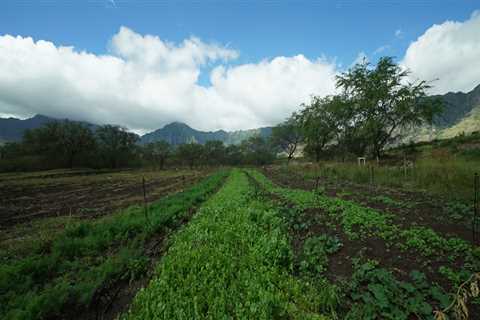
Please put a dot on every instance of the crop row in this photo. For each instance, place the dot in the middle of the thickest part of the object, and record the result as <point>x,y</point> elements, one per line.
<point>233,260</point>
<point>373,291</point>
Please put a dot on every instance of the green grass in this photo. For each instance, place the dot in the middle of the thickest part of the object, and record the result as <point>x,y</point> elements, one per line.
<point>232,261</point>
<point>67,270</point>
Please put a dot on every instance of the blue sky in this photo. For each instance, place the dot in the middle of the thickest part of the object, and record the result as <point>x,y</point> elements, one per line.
<point>257,31</point>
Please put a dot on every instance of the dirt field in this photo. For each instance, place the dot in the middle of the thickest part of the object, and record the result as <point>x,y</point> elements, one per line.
<point>25,197</point>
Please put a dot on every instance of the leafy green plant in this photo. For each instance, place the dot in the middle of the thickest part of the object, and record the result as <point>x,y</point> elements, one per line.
<point>377,294</point>
<point>314,258</point>
<point>231,261</point>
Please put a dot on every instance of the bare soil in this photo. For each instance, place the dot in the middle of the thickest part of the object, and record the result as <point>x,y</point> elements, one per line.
<point>83,194</point>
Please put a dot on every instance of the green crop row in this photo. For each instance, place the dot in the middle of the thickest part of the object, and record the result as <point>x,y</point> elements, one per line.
<point>233,260</point>
<point>68,271</point>
<point>372,291</point>
<point>359,222</point>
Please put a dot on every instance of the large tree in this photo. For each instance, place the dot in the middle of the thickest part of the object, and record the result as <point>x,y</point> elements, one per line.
<point>287,136</point>
<point>385,102</point>
<point>318,123</point>
<point>158,152</point>
<point>116,144</point>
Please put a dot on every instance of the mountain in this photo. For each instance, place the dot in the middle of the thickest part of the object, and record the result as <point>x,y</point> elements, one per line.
<point>12,129</point>
<point>461,114</point>
<point>457,106</point>
<point>177,133</point>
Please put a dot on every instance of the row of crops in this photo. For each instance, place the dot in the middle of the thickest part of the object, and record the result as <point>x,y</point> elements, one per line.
<point>233,260</point>
<point>253,250</point>
<point>398,272</point>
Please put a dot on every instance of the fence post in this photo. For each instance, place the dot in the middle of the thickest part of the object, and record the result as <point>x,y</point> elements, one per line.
<point>145,205</point>
<point>475,206</point>
<point>372,175</point>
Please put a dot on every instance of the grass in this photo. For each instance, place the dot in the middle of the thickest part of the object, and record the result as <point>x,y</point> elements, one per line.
<point>451,179</point>
<point>68,269</point>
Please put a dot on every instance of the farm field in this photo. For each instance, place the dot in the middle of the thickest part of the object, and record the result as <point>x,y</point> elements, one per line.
<point>82,193</point>
<point>89,268</point>
<point>260,243</point>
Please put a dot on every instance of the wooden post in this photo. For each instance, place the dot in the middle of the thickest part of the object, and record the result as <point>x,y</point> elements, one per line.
<point>372,177</point>
<point>145,205</point>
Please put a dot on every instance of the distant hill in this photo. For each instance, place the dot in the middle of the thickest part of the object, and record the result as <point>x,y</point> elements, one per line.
<point>12,129</point>
<point>458,106</point>
<point>177,133</point>
<point>461,114</point>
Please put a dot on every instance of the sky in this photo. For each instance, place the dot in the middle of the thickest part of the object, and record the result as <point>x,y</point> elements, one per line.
<point>218,64</point>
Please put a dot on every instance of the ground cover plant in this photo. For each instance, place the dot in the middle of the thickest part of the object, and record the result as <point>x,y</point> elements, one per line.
<point>385,270</point>
<point>232,261</point>
<point>67,272</point>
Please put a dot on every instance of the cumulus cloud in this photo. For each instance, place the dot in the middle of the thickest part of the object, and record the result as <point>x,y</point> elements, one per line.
<point>145,82</point>
<point>448,53</point>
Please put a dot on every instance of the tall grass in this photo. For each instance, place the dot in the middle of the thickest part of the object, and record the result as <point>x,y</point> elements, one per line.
<point>449,178</point>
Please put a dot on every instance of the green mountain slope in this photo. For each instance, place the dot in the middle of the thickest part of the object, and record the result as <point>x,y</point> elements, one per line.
<point>177,133</point>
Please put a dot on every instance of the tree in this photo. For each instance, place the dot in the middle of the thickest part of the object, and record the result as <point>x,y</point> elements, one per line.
<point>60,139</point>
<point>214,152</point>
<point>190,153</point>
<point>287,136</point>
<point>233,155</point>
<point>11,150</point>
<point>158,152</point>
<point>319,124</point>
<point>257,151</point>
<point>385,102</point>
<point>116,144</point>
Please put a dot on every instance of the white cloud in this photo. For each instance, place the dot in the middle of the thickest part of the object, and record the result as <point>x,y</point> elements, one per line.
<point>145,82</point>
<point>449,52</point>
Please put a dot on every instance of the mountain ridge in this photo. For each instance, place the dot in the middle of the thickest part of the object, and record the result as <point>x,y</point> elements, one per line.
<point>461,114</point>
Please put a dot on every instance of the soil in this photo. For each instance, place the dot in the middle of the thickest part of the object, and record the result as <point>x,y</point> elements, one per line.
<point>77,195</point>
